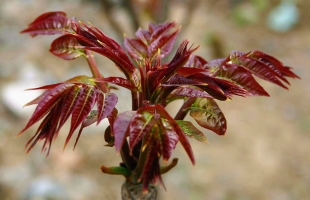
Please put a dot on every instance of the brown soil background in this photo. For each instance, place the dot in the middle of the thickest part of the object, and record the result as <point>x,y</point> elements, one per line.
<point>264,155</point>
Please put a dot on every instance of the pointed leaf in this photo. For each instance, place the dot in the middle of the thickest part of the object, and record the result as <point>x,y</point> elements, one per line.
<point>84,104</point>
<point>196,62</point>
<point>136,48</point>
<point>230,88</point>
<point>241,77</point>
<point>214,65</point>
<point>274,63</point>
<point>158,30</point>
<point>118,81</point>
<point>66,47</point>
<point>151,170</point>
<point>48,24</point>
<point>190,92</point>
<point>93,39</point>
<point>188,71</point>
<point>68,105</point>
<point>106,103</point>
<point>191,131</point>
<point>144,36</point>
<point>45,87</point>
<point>162,75</point>
<point>163,45</point>
<point>178,80</point>
<point>90,119</point>
<point>180,58</point>
<point>208,115</point>
<point>46,131</point>
<point>38,99</point>
<point>259,68</point>
<point>210,86</point>
<point>47,103</point>
<point>184,141</point>
<point>168,140</point>
<point>40,133</point>
<point>120,128</point>
<point>141,123</point>
<point>48,15</point>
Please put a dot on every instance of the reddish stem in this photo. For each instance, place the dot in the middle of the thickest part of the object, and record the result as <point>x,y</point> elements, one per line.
<point>184,109</point>
<point>95,71</point>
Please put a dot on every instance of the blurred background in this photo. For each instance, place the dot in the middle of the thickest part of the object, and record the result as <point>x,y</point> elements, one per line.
<point>265,153</point>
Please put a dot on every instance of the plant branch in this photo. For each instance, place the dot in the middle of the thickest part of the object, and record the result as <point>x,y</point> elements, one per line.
<point>136,173</point>
<point>94,70</point>
<point>184,109</point>
<point>135,100</point>
<point>167,168</point>
<point>115,170</point>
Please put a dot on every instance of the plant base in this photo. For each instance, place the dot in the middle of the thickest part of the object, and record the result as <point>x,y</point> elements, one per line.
<point>134,192</point>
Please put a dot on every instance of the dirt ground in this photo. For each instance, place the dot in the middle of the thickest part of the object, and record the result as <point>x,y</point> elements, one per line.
<point>264,155</point>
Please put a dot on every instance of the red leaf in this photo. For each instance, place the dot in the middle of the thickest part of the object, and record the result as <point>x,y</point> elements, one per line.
<point>105,103</point>
<point>48,24</point>
<point>136,48</point>
<point>120,128</point>
<point>89,120</point>
<point>188,71</point>
<point>38,99</point>
<point>207,114</point>
<point>151,170</point>
<point>210,86</point>
<point>49,15</point>
<point>184,141</point>
<point>45,131</point>
<point>93,39</point>
<point>214,65</point>
<point>45,87</point>
<point>163,45</point>
<point>196,62</point>
<point>66,47</point>
<point>178,80</point>
<point>68,105</point>
<point>241,77</point>
<point>274,63</point>
<point>189,92</point>
<point>180,58</point>
<point>84,104</point>
<point>168,140</point>
<point>118,81</point>
<point>162,75</point>
<point>47,103</point>
<point>230,88</point>
<point>141,124</point>
<point>158,30</point>
<point>144,35</point>
<point>259,68</point>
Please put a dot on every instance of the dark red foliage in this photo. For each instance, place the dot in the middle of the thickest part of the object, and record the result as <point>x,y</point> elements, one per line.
<point>75,98</point>
<point>146,133</point>
<point>49,23</point>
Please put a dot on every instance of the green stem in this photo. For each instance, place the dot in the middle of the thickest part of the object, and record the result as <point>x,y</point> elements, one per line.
<point>115,170</point>
<point>94,70</point>
<point>184,109</point>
